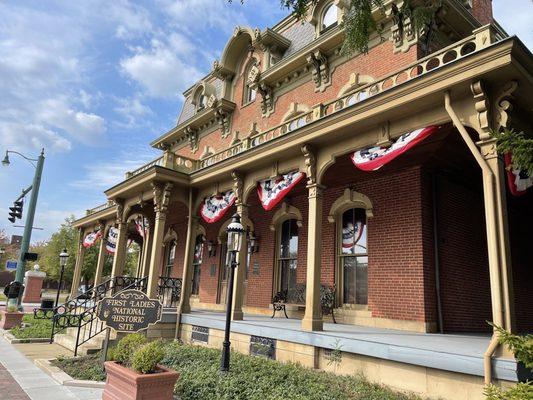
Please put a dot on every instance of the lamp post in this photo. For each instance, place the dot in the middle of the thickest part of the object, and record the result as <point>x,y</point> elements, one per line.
<point>28,226</point>
<point>235,232</point>
<point>63,258</point>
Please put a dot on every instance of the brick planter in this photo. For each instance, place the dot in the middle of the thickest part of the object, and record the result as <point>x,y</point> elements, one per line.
<point>125,384</point>
<point>10,319</point>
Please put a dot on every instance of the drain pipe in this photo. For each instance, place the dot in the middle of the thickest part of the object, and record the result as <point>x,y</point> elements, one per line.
<point>492,237</point>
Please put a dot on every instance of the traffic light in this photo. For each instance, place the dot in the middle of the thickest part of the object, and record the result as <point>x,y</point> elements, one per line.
<point>15,211</point>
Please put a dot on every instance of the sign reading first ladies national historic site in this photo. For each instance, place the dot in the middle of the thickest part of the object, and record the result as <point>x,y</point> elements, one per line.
<point>129,311</point>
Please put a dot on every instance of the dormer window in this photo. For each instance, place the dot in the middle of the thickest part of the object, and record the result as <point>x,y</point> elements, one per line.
<point>251,76</point>
<point>329,17</point>
<point>250,94</point>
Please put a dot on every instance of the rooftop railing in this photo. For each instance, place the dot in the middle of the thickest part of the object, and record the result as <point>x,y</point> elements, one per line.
<point>101,207</point>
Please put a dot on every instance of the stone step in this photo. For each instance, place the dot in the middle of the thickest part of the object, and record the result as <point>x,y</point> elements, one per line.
<point>68,340</point>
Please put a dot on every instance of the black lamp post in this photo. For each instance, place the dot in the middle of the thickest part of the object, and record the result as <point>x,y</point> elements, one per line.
<point>63,258</point>
<point>235,232</point>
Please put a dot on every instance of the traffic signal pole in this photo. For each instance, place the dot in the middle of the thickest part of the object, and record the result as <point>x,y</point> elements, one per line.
<point>28,226</point>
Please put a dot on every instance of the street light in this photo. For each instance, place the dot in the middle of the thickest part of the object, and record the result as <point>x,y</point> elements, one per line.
<point>28,226</point>
<point>235,232</point>
<point>63,258</point>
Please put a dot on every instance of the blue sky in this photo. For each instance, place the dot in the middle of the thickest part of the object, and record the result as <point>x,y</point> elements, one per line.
<point>93,82</point>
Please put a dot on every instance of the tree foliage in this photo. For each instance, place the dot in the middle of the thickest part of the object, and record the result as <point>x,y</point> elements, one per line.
<point>521,148</point>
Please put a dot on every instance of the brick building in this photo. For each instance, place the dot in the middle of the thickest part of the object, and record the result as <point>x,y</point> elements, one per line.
<point>429,245</point>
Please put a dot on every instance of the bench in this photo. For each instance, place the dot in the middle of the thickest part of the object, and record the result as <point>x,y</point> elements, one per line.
<point>296,295</point>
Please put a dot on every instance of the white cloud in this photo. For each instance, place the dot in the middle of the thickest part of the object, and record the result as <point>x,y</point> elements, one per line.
<point>133,110</point>
<point>133,20</point>
<point>159,69</point>
<point>18,136</point>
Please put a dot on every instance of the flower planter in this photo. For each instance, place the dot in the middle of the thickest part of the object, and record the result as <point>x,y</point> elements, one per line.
<point>125,384</point>
<point>10,319</point>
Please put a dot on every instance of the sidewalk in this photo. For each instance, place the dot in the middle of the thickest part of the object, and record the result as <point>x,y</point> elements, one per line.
<point>23,380</point>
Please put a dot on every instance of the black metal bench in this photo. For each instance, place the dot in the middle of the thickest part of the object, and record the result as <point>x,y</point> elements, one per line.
<point>296,295</point>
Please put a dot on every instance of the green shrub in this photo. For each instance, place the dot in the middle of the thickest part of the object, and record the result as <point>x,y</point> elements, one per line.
<point>147,357</point>
<point>126,347</point>
<point>12,308</point>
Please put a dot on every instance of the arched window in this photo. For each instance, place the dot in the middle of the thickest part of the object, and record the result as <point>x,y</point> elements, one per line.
<point>353,256</point>
<point>249,78</point>
<point>170,254</point>
<point>288,254</point>
<point>200,103</point>
<point>329,17</point>
<point>196,264</point>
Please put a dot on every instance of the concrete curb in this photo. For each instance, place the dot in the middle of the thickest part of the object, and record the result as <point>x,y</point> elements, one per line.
<point>13,340</point>
<point>62,377</point>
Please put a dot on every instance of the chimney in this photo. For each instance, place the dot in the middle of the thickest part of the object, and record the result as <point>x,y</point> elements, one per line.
<point>482,11</point>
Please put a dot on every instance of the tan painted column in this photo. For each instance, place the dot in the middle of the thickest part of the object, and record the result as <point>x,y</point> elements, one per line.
<point>238,287</point>
<point>101,257</point>
<point>119,258</point>
<point>161,200</point>
<point>502,227</point>
<point>78,266</point>
<point>312,320</point>
<point>147,250</point>
<point>184,306</point>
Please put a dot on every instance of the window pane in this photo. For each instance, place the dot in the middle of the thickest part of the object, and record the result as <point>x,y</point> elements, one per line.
<point>288,274</point>
<point>354,232</point>
<point>289,239</point>
<point>251,93</point>
<point>195,279</point>
<point>355,290</point>
<point>198,250</point>
<point>171,253</point>
<point>330,17</point>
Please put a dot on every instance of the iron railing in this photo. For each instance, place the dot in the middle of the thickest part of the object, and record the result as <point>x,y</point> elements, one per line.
<point>169,291</point>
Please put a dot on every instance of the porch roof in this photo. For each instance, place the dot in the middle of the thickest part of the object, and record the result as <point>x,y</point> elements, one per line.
<point>461,353</point>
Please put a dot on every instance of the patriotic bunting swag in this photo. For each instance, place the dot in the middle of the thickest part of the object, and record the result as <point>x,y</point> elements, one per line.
<point>214,207</point>
<point>350,236</point>
<point>272,191</point>
<point>373,158</point>
<point>141,225</point>
<point>517,180</point>
<point>91,239</point>
<point>112,240</point>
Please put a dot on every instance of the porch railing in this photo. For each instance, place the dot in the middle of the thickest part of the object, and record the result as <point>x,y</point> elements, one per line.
<point>169,290</point>
<point>157,161</point>
<point>101,207</point>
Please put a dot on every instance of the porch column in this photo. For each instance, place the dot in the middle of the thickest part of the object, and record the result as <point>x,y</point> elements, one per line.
<point>80,255</point>
<point>119,259</point>
<point>313,312</point>
<point>147,250</point>
<point>101,257</point>
<point>502,230</point>
<point>161,200</point>
<point>238,287</point>
<point>184,306</point>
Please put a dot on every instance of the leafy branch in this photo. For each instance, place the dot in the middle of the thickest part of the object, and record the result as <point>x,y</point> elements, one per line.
<point>521,148</point>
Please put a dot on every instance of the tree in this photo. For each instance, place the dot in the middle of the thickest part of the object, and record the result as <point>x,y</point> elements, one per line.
<point>359,22</point>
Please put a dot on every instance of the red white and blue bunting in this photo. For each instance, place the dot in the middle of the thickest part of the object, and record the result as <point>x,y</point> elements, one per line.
<point>373,158</point>
<point>517,180</point>
<point>350,236</point>
<point>213,208</point>
<point>91,238</point>
<point>112,237</point>
<point>141,226</point>
<point>272,191</point>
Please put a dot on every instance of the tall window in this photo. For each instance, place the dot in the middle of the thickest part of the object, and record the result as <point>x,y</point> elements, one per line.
<point>330,17</point>
<point>354,256</point>
<point>249,93</point>
<point>288,254</point>
<point>169,257</point>
<point>196,264</point>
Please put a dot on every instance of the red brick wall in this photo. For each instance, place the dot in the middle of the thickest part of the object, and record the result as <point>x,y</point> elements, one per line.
<point>482,10</point>
<point>464,272</point>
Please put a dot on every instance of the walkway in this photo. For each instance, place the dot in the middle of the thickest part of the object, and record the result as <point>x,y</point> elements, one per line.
<point>23,380</point>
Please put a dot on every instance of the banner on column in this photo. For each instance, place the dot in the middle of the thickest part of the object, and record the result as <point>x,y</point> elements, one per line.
<point>213,208</point>
<point>373,158</point>
<point>272,191</point>
<point>518,181</point>
<point>91,238</point>
<point>112,237</point>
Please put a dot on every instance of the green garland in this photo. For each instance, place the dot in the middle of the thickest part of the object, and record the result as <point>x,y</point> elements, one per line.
<point>521,148</point>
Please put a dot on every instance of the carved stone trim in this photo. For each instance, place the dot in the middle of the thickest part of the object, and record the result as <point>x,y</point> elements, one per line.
<point>350,199</point>
<point>192,136</point>
<point>284,213</point>
<point>161,198</point>
<point>310,163</point>
<point>503,105</point>
<point>319,65</point>
<point>267,98</point>
<point>238,185</point>
<point>481,104</point>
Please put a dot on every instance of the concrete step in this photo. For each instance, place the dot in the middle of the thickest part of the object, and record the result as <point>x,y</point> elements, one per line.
<point>68,340</point>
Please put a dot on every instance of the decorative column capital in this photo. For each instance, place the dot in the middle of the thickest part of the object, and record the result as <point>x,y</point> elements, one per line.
<point>316,191</point>
<point>120,211</point>
<point>101,226</point>
<point>161,199</point>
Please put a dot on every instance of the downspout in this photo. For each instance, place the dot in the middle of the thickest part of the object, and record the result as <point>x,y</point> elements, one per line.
<point>492,237</point>
<point>436,252</point>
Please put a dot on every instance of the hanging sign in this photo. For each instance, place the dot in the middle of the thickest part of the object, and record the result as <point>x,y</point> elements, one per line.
<point>213,208</point>
<point>112,237</point>
<point>373,158</point>
<point>517,180</point>
<point>350,236</point>
<point>272,191</point>
<point>91,239</point>
<point>129,311</point>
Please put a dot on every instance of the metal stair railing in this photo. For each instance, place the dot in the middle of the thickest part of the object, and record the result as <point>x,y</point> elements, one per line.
<point>88,323</point>
<point>169,291</point>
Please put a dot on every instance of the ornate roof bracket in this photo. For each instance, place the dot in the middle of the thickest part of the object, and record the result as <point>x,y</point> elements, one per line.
<point>192,136</point>
<point>503,105</point>
<point>267,98</point>
<point>319,65</point>
<point>482,106</point>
